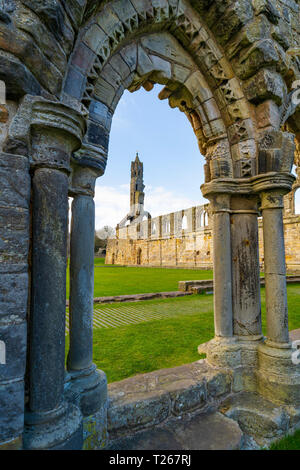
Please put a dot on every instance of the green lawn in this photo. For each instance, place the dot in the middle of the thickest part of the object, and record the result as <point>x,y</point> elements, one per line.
<point>120,280</point>
<point>132,349</point>
<point>144,347</point>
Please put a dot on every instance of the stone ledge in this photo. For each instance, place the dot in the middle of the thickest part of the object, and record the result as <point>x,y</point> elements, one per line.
<point>197,287</point>
<point>137,297</point>
<point>147,400</point>
<point>203,431</point>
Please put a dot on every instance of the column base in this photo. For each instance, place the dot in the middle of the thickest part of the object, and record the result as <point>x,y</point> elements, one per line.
<point>59,429</point>
<point>88,390</point>
<point>278,377</point>
<point>239,355</point>
<point>231,352</point>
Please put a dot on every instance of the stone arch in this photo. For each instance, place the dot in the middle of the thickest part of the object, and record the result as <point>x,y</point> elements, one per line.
<point>55,53</point>
<point>211,95</point>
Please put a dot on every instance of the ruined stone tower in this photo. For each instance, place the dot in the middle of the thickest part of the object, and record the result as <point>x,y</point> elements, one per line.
<point>137,187</point>
<point>137,195</point>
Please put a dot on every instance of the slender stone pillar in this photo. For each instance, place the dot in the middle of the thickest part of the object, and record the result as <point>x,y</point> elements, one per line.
<point>278,376</point>
<point>245,268</point>
<point>222,266</point>
<point>50,421</point>
<point>80,355</point>
<point>85,385</point>
<point>275,270</point>
<point>222,351</point>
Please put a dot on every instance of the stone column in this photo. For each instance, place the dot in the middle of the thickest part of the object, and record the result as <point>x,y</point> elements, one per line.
<point>278,376</point>
<point>275,271</point>
<point>85,385</point>
<point>222,265</point>
<point>50,421</point>
<point>222,350</point>
<point>245,268</point>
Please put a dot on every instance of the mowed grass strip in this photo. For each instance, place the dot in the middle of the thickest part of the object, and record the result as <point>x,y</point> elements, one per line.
<point>122,280</point>
<point>169,341</point>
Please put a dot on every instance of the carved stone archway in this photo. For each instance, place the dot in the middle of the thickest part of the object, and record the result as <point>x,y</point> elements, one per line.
<point>231,67</point>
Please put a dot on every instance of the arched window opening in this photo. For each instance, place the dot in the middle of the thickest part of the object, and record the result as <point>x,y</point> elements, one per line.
<point>139,256</point>
<point>297,201</point>
<point>201,219</point>
<point>184,223</point>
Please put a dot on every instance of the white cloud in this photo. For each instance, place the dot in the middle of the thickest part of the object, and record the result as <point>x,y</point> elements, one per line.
<point>112,204</point>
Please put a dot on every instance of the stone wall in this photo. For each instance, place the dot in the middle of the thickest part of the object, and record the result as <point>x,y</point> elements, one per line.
<point>181,238</point>
<point>14,244</point>
<point>163,242</point>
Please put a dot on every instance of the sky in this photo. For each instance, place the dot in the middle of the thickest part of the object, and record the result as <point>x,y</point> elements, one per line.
<point>173,165</point>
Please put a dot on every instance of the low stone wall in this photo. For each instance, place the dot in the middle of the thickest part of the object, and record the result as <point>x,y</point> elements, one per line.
<point>198,287</point>
<point>148,407</point>
<point>147,400</point>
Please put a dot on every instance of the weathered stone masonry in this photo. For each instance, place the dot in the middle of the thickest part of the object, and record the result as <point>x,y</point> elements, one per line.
<point>233,68</point>
<point>162,241</point>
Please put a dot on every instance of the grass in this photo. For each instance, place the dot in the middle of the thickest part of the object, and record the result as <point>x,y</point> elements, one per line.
<point>133,349</point>
<point>144,347</point>
<point>288,443</point>
<point>121,280</point>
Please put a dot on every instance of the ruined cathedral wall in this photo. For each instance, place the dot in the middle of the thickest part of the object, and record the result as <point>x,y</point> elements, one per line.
<point>178,239</point>
<point>162,241</point>
<point>193,250</point>
<point>292,242</point>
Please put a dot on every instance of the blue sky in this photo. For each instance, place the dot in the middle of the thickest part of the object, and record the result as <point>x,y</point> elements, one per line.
<point>173,165</point>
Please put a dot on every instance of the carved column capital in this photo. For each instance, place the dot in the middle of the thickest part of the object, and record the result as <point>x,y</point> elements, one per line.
<point>56,131</point>
<point>82,181</point>
<point>87,165</point>
<point>272,199</point>
<point>41,127</point>
<point>218,195</point>
<point>280,183</point>
<point>90,156</point>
